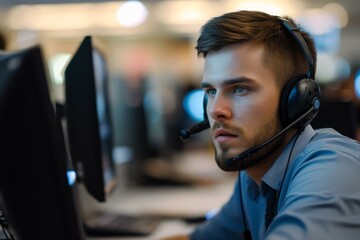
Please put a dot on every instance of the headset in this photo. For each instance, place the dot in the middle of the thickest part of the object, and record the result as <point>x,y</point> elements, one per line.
<point>299,102</point>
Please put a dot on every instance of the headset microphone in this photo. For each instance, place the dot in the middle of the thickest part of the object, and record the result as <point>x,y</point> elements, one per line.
<point>240,157</point>
<point>185,133</point>
<point>201,126</point>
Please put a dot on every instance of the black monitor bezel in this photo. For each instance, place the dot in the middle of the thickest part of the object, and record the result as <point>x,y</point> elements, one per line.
<point>83,123</point>
<point>34,191</point>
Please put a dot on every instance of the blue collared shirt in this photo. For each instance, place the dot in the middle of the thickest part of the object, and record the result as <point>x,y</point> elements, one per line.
<point>319,194</point>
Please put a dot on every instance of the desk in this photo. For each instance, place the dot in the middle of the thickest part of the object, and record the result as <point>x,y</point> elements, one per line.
<point>170,202</point>
<point>165,229</point>
<point>190,201</point>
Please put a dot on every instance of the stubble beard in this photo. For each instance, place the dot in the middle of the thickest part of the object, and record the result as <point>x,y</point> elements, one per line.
<point>223,151</point>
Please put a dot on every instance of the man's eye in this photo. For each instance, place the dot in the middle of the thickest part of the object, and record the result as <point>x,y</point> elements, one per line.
<point>240,90</point>
<point>211,91</point>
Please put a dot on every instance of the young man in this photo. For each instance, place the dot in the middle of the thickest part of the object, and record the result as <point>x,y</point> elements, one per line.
<point>294,182</point>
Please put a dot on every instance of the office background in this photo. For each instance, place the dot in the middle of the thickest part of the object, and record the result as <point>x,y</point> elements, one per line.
<point>149,48</point>
<point>152,67</point>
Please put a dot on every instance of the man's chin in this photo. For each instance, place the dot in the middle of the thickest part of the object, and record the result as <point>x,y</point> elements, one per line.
<point>229,168</point>
<point>222,161</point>
<point>242,163</point>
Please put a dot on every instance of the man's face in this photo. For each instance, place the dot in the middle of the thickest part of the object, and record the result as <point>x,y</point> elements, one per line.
<point>242,104</point>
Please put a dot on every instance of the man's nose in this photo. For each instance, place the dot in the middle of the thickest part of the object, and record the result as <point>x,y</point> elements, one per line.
<point>219,108</point>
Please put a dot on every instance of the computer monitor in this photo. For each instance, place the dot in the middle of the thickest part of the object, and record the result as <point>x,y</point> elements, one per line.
<point>35,195</point>
<point>88,119</point>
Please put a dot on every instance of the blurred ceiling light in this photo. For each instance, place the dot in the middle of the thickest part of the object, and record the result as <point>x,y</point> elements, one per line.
<point>324,26</point>
<point>339,11</point>
<point>261,6</point>
<point>182,13</point>
<point>319,21</point>
<point>49,17</point>
<point>185,16</point>
<point>275,7</point>
<point>324,20</point>
<point>131,13</point>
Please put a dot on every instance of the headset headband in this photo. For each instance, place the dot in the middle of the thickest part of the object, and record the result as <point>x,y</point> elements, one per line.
<point>295,32</point>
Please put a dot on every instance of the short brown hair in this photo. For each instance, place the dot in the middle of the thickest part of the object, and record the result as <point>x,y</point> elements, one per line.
<point>282,53</point>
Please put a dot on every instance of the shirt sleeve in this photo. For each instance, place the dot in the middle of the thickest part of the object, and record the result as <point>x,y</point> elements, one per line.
<point>320,198</point>
<point>226,224</point>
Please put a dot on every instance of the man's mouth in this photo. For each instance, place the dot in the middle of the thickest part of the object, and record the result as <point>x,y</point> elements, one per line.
<point>223,135</point>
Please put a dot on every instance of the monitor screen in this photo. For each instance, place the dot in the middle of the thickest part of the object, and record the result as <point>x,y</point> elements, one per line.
<point>193,104</point>
<point>88,119</point>
<point>35,195</point>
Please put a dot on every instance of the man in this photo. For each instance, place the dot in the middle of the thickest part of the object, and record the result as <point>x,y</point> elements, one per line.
<point>294,182</point>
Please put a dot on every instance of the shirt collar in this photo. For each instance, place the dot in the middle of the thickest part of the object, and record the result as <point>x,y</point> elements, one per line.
<point>273,177</point>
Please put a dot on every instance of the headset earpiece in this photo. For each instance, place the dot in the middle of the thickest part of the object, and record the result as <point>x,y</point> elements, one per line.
<point>300,93</point>
<point>298,96</point>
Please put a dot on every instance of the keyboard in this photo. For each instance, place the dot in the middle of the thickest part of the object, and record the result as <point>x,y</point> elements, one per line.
<point>111,224</point>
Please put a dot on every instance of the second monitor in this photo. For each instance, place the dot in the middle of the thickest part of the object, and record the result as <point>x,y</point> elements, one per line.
<point>90,140</point>
<point>88,119</point>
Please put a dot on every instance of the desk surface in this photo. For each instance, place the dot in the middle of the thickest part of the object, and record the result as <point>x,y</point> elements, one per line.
<point>165,229</point>
<point>175,203</point>
<point>190,201</point>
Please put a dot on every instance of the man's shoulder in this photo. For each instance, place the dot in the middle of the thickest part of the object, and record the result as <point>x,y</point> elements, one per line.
<point>329,140</point>
<point>330,148</point>
<point>326,157</point>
